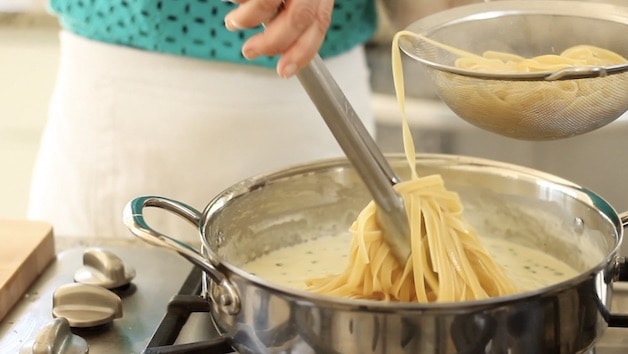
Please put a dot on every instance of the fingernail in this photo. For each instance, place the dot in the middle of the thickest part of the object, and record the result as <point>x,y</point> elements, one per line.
<point>249,53</point>
<point>231,25</point>
<point>288,71</point>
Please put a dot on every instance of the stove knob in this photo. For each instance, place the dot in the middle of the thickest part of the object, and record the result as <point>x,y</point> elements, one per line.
<point>86,305</point>
<point>103,268</point>
<point>56,338</point>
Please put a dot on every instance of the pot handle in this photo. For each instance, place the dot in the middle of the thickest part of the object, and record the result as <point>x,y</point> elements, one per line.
<point>224,294</point>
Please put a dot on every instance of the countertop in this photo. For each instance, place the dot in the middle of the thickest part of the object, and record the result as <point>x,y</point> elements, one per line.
<point>63,243</point>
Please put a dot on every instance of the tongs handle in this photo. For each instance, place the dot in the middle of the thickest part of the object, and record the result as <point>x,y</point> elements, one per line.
<point>362,151</point>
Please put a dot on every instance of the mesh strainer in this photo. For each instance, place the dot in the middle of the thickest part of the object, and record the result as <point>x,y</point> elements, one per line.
<point>532,105</point>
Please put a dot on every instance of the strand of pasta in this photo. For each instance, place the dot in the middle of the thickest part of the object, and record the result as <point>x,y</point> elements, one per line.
<point>447,262</point>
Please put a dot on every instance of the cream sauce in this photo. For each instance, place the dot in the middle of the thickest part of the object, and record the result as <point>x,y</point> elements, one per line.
<point>290,266</point>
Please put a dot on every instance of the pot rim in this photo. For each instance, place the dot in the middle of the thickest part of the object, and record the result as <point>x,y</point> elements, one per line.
<point>304,296</point>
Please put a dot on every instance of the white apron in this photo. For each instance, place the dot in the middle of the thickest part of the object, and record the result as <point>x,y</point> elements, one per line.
<point>126,123</point>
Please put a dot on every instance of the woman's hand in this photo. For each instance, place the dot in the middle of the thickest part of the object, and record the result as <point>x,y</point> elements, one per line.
<point>294,29</point>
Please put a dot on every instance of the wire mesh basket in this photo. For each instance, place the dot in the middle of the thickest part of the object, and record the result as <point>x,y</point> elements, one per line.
<point>535,105</point>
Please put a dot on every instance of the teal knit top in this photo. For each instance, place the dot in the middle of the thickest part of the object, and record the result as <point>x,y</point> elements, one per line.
<point>195,28</point>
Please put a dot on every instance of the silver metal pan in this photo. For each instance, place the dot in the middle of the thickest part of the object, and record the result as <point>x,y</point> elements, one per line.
<point>321,198</point>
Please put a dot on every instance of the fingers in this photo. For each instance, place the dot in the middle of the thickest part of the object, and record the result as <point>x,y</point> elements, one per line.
<point>252,13</point>
<point>296,32</point>
<point>284,29</point>
<point>301,52</point>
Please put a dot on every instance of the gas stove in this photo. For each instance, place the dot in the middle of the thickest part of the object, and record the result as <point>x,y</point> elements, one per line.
<point>161,276</point>
<point>162,310</point>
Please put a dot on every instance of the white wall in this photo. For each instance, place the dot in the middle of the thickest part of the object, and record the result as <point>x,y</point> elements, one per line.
<point>28,60</point>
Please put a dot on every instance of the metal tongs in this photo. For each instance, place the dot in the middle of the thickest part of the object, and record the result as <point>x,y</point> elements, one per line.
<point>362,152</point>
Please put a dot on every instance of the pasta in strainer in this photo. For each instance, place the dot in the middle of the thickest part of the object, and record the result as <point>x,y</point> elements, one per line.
<point>537,109</point>
<point>576,56</point>
<point>494,61</point>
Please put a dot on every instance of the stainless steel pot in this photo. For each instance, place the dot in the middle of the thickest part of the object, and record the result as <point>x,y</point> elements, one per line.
<point>501,200</point>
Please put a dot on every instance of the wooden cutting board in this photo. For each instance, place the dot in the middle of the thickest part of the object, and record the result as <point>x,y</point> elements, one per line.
<point>26,249</point>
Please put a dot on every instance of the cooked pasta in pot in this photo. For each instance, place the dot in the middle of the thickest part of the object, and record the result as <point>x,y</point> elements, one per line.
<point>448,262</point>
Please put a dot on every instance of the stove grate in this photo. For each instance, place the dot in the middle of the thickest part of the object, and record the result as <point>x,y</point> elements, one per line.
<point>186,302</point>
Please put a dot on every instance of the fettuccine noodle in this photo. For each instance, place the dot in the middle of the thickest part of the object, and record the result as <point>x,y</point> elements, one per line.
<point>447,262</point>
